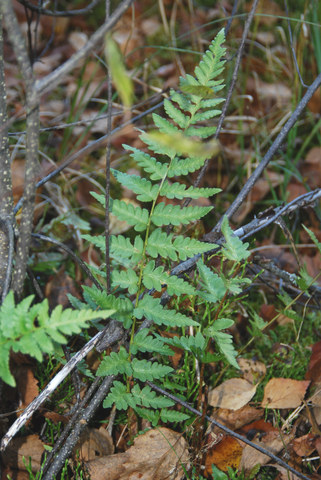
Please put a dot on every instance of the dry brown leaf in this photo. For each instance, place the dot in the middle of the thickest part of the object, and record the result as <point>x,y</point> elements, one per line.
<point>253,371</point>
<point>232,394</point>
<point>272,441</point>
<point>156,455</point>
<point>223,455</point>
<point>30,446</point>
<point>305,445</point>
<point>284,393</point>
<point>236,419</point>
<point>27,386</point>
<point>94,443</point>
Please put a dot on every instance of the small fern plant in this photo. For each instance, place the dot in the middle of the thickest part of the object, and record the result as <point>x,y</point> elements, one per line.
<point>32,330</point>
<point>176,148</point>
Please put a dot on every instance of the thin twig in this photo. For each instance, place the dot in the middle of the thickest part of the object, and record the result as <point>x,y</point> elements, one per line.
<point>54,78</point>
<point>57,13</point>
<point>75,417</point>
<point>86,150</point>
<point>268,156</point>
<point>75,257</point>
<point>115,334</point>
<point>72,440</point>
<point>107,168</point>
<point>228,430</point>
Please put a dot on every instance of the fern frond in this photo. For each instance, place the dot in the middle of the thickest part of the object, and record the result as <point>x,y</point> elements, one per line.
<point>143,342</point>
<point>136,216</point>
<point>176,114</point>
<point>188,247</point>
<point>143,188</point>
<point>144,370</point>
<point>175,215</point>
<point>148,398</point>
<point>212,283</point>
<point>125,279</point>
<point>234,249</point>
<point>96,240</point>
<point>180,191</point>
<point>171,416</point>
<point>156,169</point>
<point>122,305</point>
<point>201,132</point>
<point>119,396</point>
<point>157,146</point>
<point>164,125</point>
<point>156,278</point>
<point>184,166</point>
<point>114,364</point>
<point>122,248</point>
<point>150,308</point>
<point>159,243</point>
<point>32,330</point>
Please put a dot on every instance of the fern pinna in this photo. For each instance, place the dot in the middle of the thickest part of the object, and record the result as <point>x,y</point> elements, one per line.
<point>180,150</point>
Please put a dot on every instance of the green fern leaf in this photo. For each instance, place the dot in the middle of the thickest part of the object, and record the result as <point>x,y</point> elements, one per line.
<point>157,144</point>
<point>135,216</point>
<point>153,277</point>
<point>175,114</point>
<point>144,370</point>
<point>123,306</point>
<point>119,396</point>
<point>122,248</point>
<point>151,416</point>
<point>143,342</point>
<point>99,197</point>
<point>143,188</point>
<point>201,132</point>
<point>208,114</point>
<point>148,398</point>
<point>179,190</point>
<point>172,416</point>
<point>210,103</point>
<point>114,364</point>
<point>164,125</point>
<point>234,249</point>
<point>175,215</point>
<point>184,166</point>
<point>125,279</point>
<point>96,240</point>
<point>188,247</point>
<point>212,283</point>
<point>183,102</point>
<point>33,331</point>
<point>150,308</point>
<point>159,243</point>
<point>156,169</point>
<point>156,278</point>
<point>224,342</point>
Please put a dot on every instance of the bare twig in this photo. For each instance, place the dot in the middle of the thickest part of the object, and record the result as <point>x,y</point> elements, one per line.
<point>115,333</point>
<point>55,77</point>
<point>107,168</point>
<point>75,257</point>
<point>86,150</point>
<point>72,440</point>
<point>57,13</point>
<point>6,198</point>
<point>267,157</point>
<point>32,108</point>
<point>228,430</point>
<point>71,423</point>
